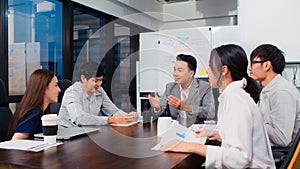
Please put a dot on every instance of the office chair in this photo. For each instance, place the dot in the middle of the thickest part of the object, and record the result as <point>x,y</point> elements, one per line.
<point>63,85</point>
<point>5,112</point>
<point>216,94</point>
<point>292,154</point>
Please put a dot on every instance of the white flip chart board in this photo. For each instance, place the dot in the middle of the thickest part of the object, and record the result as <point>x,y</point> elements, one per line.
<point>158,51</point>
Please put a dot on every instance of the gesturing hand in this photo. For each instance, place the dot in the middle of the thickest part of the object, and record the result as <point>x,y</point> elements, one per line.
<point>130,117</point>
<point>174,101</point>
<point>179,104</point>
<point>154,101</point>
<point>210,134</point>
<point>184,147</point>
<point>177,146</point>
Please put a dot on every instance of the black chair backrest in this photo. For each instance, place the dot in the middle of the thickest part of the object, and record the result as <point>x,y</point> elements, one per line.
<point>3,94</point>
<point>292,150</point>
<point>5,112</point>
<point>63,85</point>
<point>216,94</point>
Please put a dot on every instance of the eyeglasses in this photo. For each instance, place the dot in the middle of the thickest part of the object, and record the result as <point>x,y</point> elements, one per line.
<point>257,61</point>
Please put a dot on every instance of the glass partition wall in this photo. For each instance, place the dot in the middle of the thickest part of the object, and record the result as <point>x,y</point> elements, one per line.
<point>34,40</point>
<point>100,38</point>
<point>61,35</point>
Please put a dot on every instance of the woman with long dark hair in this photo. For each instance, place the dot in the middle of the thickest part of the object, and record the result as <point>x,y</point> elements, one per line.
<point>42,89</point>
<point>240,124</point>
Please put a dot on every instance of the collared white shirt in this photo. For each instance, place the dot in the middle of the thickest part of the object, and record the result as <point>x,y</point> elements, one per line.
<point>78,108</point>
<point>245,143</point>
<point>182,113</point>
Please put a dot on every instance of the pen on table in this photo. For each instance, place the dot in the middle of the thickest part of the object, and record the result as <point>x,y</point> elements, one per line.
<point>181,135</point>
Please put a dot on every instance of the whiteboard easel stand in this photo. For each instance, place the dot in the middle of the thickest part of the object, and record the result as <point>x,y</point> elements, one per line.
<point>138,99</point>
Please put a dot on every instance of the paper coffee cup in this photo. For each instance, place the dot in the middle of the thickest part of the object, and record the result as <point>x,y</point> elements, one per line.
<point>50,126</point>
<point>163,124</point>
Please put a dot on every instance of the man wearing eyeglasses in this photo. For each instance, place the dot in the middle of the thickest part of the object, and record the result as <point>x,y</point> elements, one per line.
<point>279,99</point>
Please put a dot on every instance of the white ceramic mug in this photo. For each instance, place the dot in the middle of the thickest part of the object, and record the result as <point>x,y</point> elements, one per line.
<point>50,126</point>
<point>163,124</point>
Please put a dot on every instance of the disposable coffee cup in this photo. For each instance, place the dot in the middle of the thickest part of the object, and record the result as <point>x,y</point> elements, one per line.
<point>50,126</point>
<point>163,124</point>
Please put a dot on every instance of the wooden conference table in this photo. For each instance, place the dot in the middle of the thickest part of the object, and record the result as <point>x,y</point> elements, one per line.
<point>111,147</point>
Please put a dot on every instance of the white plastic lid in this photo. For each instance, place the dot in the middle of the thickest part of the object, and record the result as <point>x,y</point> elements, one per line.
<point>49,117</point>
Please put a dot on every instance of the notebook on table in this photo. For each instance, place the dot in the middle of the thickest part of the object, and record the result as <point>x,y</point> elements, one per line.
<point>71,132</point>
<point>128,124</point>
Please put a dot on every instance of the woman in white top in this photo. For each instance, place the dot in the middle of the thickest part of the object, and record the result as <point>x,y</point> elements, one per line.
<point>240,125</point>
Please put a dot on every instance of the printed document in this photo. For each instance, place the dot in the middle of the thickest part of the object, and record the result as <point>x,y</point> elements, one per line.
<point>27,145</point>
<point>180,132</point>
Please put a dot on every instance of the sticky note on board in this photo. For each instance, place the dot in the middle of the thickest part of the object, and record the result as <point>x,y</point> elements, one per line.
<point>203,72</point>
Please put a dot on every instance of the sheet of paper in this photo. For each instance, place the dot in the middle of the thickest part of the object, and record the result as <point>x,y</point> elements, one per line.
<point>27,145</point>
<point>191,136</point>
<point>128,124</point>
<point>179,132</point>
<point>176,131</point>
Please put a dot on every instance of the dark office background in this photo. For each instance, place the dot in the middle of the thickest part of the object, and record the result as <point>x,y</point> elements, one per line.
<point>68,34</point>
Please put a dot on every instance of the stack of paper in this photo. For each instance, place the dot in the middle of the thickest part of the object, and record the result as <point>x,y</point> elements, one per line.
<point>27,145</point>
<point>125,125</point>
<point>179,132</point>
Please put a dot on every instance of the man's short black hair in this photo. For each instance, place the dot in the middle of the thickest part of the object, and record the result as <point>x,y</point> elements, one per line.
<point>189,59</point>
<point>91,69</point>
<point>268,52</point>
